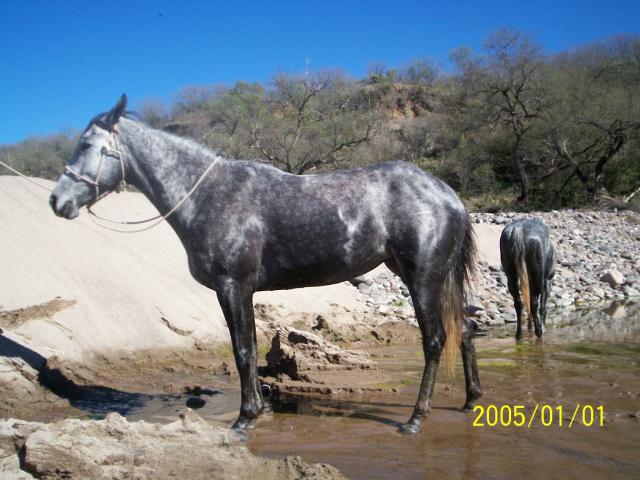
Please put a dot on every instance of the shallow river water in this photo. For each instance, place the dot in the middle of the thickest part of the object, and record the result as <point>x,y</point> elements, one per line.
<point>587,360</point>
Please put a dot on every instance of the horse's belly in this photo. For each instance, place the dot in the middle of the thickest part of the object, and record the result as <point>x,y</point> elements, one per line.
<point>312,274</point>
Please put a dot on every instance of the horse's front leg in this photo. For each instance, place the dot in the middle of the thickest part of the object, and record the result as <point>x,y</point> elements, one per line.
<point>236,300</point>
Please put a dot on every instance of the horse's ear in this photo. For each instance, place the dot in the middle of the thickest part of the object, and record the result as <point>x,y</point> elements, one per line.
<point>116,112</point>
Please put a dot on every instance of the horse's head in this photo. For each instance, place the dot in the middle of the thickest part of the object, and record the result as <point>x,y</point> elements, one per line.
<point>96,167</point>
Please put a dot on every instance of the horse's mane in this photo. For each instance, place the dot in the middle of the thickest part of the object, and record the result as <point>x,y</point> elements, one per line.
<point>98,119</point>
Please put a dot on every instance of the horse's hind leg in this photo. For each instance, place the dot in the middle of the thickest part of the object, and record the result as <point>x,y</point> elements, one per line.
<point>426,302</point>
<point>517,303</point>
<point>536,290</point>
<point>538,326</point>
<point>237,305</point>
<point>544,298</point>
<point>470,364</point>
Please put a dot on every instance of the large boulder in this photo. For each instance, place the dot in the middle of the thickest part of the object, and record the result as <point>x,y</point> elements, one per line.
<point>301,361</point>
<point>299,354</point>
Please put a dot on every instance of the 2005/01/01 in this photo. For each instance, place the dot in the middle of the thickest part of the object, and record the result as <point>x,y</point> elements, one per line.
<point>515,416</point>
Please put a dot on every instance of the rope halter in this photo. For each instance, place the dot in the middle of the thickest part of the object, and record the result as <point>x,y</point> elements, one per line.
<point>110,150</point>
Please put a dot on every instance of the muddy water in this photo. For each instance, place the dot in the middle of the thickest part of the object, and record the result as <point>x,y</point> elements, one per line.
<point>587,358</point>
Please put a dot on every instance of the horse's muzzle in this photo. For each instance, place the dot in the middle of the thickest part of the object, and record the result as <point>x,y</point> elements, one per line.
<point>67,209</point>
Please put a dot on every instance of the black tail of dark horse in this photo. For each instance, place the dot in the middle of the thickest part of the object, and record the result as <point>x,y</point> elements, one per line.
<point>453,294</point>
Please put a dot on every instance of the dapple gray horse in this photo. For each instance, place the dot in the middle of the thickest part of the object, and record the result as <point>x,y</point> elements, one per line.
<point>251,227</point>
<point>527,258</point>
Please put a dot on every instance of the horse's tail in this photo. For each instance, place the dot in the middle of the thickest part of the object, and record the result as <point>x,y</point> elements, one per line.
<point>453,295</point>
<point>521,269</point>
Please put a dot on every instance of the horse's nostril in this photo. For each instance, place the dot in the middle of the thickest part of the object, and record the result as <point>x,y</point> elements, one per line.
<point>66,208</point>
<point>52,201</point>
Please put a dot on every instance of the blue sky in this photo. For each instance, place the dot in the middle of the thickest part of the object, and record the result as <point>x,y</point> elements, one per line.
<point>61,62</point>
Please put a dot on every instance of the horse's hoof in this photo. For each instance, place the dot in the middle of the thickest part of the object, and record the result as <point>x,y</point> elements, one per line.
<point>243,423</point>
<point>241,435</point>
<point>471,401</point>
<point>409,428</point>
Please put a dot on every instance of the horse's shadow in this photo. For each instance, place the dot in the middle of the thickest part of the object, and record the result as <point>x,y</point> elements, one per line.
<point>95,400</point>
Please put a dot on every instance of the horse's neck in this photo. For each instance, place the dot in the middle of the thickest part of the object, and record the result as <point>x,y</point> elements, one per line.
<point>165,169</point>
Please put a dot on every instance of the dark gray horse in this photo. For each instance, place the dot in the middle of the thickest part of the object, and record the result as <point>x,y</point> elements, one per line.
<point>527,258</point>
<point>251,227</point>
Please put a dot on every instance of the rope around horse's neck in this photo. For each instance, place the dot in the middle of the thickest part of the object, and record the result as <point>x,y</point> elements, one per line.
<point>159,218</point>
<point>25,177</point>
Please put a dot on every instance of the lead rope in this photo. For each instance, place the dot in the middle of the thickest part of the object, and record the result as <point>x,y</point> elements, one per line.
<point>159,218</point>
<point>25,177</point>
<point>121,186</point>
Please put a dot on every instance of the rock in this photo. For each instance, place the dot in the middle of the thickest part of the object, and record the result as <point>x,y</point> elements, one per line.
<point>117,449</point>
<point>22,386</point>
<point>357,281</point>
<point>495,321</point>
<point>198,390</point>
<point>378,296</point>
<point>298,354</point>
<point>564,301</point>
<point>613,277</point>
<point>196,402</point>
<point>321,324</point>
<point>630,292</point>
<point>382,276</point>
<point>474,311</point>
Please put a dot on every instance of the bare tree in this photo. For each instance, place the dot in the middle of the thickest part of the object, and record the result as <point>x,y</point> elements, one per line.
<point>512,88</point>
<point>312,122</point>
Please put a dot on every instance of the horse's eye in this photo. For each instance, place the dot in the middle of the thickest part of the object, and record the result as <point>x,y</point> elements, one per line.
<point>85,146</point>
